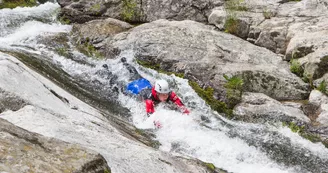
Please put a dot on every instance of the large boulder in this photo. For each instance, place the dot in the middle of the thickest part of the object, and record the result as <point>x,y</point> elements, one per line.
<point>205,55</point>
<point>23,151</point>
<point>137,10</point>
<point>315,64</point>
<point>90,36</point>
<point>257,107</point>
<point>320,100</point>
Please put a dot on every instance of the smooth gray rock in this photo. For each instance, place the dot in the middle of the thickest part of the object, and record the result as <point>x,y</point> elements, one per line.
<point>204,55</point>
<point>315,65</point>
<point>271,34</point>
<point>257,107</point>
<point>9,101</point>
<point>23,151</point>
<point>320,99</point>
<point>307,36</point>
<point>96,31</point>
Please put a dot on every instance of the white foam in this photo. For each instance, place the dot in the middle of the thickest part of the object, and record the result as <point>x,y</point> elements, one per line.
<point>13,18</point>
<point>27,33</point>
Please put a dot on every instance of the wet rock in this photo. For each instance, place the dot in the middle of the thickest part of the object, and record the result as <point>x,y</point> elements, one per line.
<point>23,151</point>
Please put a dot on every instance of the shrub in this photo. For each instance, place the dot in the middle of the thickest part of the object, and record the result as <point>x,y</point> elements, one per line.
<point>235,5</point>
<point>234,82</point>
<point>308,78</point>
<point>231,24</point>
<point>129,10</point>
<point>267,14</point>
<point>234,87</point>
<point>295,67</point>
<point>323,87</point>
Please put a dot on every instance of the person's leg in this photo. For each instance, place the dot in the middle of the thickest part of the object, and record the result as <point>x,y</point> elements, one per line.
<point>134,75</point>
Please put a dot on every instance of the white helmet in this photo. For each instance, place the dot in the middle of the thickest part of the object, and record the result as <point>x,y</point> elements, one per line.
<point>161,86</point>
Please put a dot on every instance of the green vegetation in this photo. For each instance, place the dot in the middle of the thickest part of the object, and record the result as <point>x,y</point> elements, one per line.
<point>231,7</point>
<point>301,130</point>
<point>64,20</point>
<point>296,68</point>
<point>107,171</point>
<point>210,166</point>
<point>267,14</point>
<point>234,88</point>
<point>235,5</point>
<point>231,24</point>
<point>95,8</point>
<point>129,10</point>
<point>16,3</point>
<point>89,50</point>
<point>62,51</point>
<point>323,87</point>
<point>234,82</point>
<point>294,127</point>
<point>308,78</point>
<point>207,95</point>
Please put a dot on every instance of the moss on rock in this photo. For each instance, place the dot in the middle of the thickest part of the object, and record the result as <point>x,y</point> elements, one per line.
<point>17,3</point>
<point>207,95</point>
<point>210,166</point>
<point>302,131</point>
<point>88,49</point>
<point>130,10</point>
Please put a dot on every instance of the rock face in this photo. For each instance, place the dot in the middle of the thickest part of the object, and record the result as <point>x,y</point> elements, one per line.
<point>46,109</point>
<point>257,107</point>
<point>94,32</point>
<point>205,55</point>
<point>295,29</point>
<point>320,100</point>
<point>285,27</point>
<point>137,10</point>
<point>23,151</point>
<point>10,101</point>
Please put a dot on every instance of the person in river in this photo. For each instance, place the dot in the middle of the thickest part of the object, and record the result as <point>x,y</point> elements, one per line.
<point>153,95</point>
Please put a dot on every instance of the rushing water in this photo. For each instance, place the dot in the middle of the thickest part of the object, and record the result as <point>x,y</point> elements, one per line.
<point>203,134</point>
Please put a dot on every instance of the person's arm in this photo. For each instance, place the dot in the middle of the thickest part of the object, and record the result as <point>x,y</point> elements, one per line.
<point>175,99</point>
<point>149,107</point>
